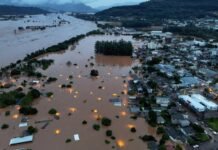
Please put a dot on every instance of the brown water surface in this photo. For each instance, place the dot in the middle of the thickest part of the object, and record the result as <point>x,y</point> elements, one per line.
<point>80,100</point>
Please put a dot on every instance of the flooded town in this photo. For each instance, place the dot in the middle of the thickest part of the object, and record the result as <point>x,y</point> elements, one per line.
<point>102,81</point>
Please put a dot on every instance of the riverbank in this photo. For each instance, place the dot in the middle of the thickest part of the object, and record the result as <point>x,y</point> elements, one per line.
<point>15,46</point>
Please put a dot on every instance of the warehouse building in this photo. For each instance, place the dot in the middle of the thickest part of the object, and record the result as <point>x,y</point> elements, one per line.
<point>204,101</point>
<point>196,106</point>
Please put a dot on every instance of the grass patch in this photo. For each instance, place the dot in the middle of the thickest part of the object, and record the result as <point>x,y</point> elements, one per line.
<point>202,137</point>
<point>213,123</point>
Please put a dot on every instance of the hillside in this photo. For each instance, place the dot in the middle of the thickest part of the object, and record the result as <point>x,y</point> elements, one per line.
<point>68,7</point>
<point>15,10</point>
<point>158,9</point>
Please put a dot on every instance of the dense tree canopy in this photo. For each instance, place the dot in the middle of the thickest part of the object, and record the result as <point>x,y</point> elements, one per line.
<point>164,9</point>
<point>119,48</point>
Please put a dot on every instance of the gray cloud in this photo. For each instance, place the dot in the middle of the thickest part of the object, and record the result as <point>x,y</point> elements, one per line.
<point>94,3</point>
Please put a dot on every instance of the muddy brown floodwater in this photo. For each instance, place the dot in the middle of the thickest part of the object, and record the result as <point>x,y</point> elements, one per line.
<point>80,100</point>
<point>15,46</point>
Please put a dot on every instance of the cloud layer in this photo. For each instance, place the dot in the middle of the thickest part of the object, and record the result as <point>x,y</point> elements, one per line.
<point>94,3</point>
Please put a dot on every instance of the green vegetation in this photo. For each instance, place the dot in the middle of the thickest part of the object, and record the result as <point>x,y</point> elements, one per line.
<point>163,9</point>
<point>94,73</point>
<point>136,24</point>
<point>104,26</point>
<point>84,122</point>
<point>215,81</point>
<point>28,110</point>
<point>160,130</point>
<point>32,130</point>
<point>106,121</point>
<point>120,48</point>
<point>192,30</point>
<point>7,113</point>
<point>213,123</point>
<point>15,10</point>
<point>52,111</point>
<point>178,147</point>
<point>154,61</point>
<point>55,48</point>
<point>96,127</point>
<point>10,98</point>
<point>95,32</point>
<point>165,114</point>
<point>201,137</point>
<point>49,94</point>
<point>28,66</point>
<point>133,130</point>
<point>15,72</point>
<point>107,142</point>
<point>152,118</point>
<point>30,97</point>
<point>162,147</point>
<point>68,141</point>
<point>164,138</point>
<point>146,138</point>
<point>4,126</point>
<point>197,128</point>
<point>134,117</point>
<point>51,79</point>
<point>109,133</point>
<point>113,137</point>
<point>152,84</point>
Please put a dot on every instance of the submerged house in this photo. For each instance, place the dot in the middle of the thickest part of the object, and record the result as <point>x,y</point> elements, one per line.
<point>21,140</point>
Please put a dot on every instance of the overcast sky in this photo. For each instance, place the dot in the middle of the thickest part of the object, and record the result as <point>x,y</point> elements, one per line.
<point>93,3</point>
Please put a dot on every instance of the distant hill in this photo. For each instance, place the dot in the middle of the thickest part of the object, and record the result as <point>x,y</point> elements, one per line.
<point>165,9</point>
<point>68,7</point>
<point>17,10</point>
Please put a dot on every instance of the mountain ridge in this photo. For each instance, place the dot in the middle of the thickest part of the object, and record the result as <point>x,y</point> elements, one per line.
<point>164,9</point>
<point>68,7</point>
<point>20,10</point>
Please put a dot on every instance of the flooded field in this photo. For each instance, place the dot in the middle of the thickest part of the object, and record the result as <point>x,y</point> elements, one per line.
<point>15,44</point>
<point>85,100</point>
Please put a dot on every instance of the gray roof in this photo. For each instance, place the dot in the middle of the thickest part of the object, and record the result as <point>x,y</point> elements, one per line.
<point>187,81</point>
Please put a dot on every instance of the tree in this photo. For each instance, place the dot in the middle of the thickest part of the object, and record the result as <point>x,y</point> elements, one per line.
<point>94,73</point>
<point>84,122</point>
<point>154,61</point>
<point>34,93</point>
<point>31,130</point>
<point>109,133</point>
<point>120,48</point>
<point>51,79</point>
<point>152,117</point>
<point>133,130</point>
<point>160,130</point>
<point>152,84</point>
<point>15,72</point>
<point>106,121</point>
<point>178,147</point>
<point>164,138</point>
<point>68,141</point>
<point>28,110</point>
<point>96,127</point>
<point>4,126</point>
<point>52,111</point>
<point>146,138</point>
<point>197,128</point>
